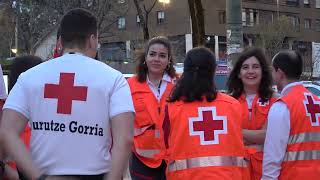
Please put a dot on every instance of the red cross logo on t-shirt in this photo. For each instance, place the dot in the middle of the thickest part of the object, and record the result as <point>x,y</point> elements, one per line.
<point>312,107</point>
<point>65,92</point>
<point>208,125</point>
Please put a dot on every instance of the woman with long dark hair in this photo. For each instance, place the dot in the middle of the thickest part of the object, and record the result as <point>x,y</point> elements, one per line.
<point>250,82</point>
<point>150,88</point>
<point>202,126</point>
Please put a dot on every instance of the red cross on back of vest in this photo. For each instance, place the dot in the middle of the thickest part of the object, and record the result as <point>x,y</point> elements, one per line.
<point>208,125</point>
<point>312,109</point>
<point>65,92</point>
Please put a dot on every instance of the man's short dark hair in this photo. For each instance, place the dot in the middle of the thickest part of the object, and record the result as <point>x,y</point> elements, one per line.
<point>76,26</point>
<point>290,62</point>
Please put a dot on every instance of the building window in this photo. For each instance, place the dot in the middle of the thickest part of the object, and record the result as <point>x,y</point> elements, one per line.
<point>121,23</point>
<point>244,17</point>
<point>138,20</point>
<point>160,17</point>
<point>306,3</point>
<point>222,17</point>
<point>307,23</point>
<point>318,25</point>
<point>292,2</point>
<point>295,21</point>
<point>317,3</point>
<point>250,17</point>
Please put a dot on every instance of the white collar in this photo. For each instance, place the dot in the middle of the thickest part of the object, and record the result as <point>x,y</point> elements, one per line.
<point>78,53</point>
<point>165,77</point>
<point>286,89</point>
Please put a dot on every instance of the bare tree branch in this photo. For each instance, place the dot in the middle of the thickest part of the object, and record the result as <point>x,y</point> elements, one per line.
<point>38,17</point>
<point>273,35</point>
<point>144,16</point>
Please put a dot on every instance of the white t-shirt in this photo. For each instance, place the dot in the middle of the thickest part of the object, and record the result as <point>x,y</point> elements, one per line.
<point>3,92</point>
<point>71,135</point>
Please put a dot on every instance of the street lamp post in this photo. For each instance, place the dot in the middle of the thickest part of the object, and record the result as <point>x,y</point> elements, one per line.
<point>164,1</point>
<point>16,36</point>
<point>278,12</point>
<point>15,49</point>
<point>234,30</point>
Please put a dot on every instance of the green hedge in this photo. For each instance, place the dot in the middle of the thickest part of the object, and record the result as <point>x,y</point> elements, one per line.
<point>5,64</point>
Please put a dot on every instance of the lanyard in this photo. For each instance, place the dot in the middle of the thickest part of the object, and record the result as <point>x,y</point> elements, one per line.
<point>159,92</point>
<point>159,88</point>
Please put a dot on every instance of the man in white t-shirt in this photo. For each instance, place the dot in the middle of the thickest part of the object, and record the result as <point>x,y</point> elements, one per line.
<point>3,96</point>
<point>72,104</point>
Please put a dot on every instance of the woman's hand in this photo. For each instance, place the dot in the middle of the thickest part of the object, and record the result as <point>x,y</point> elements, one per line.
<point>10,173</point>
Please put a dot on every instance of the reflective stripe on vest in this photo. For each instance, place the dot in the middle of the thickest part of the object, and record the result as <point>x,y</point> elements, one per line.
<point>258,147</point>
<point>156,133</point>
<point>148,153</point>
<point>301,155</point>
<point>206,162</point>
<point>304,137</point>
<point>139,131</point>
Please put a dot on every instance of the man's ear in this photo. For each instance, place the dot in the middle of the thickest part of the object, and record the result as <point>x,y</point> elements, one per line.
<point>281,73</point>
<point>92,41</point>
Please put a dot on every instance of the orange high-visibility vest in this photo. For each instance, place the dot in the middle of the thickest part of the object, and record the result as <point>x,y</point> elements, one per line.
<point>259,115</point>
<point>148,135</point>
<point>302,158</point>
<point>205,140</point>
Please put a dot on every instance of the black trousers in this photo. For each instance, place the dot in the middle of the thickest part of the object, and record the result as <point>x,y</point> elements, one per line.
<point>78,177</point>
<point>139,171</point>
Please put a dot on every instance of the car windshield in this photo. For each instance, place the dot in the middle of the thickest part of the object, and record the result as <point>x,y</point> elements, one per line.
<point>314,91</point>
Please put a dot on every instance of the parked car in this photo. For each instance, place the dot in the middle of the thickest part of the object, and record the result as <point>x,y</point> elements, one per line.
<point>312,86</point>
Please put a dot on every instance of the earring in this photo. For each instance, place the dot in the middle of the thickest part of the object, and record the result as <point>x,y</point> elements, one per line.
<point>168,66</point>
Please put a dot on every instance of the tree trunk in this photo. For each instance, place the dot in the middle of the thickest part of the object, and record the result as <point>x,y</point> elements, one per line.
<point>146,35</point>
<point>200,17</point>
<point>197,18</point>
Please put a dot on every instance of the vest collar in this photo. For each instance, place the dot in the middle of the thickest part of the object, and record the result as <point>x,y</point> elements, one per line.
<point>288,87</point>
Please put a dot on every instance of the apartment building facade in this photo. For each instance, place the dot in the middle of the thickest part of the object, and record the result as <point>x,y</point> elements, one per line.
<point>173,20</point>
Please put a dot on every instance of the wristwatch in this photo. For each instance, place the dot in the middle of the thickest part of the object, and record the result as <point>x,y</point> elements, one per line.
<point>42,177</point>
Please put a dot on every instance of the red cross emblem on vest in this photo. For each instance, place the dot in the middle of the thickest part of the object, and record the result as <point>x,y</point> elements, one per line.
<point>312,107</point>
<point>65,92</point>
<point>263,103</point>
<point>208,125</point>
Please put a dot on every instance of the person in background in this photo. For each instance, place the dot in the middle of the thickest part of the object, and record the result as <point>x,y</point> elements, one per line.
<point>292,146</point>
<point>250,82</point>
<point>3,92</point>
<point>6,172</point>
<point>150,88</point>
<point>19,65</point>
<point>202,127</point>
<point>72,104</point>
